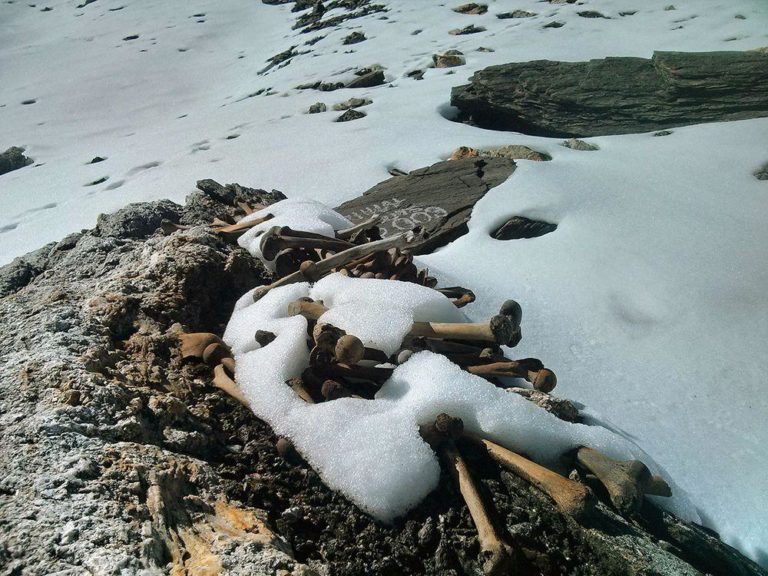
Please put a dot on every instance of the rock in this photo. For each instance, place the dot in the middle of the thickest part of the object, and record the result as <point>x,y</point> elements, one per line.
<point>560,407</point>
<point>575,144</point>
<point>519,227</point>
<point>471,29</point>
<point>352,103</point>
<point>96,160</point>
<point>592,14</point>
<point>515,152</point>
<point>762,172</point>
<point>471,8</point>
<point>516,14</point>
<point>663,133</point>
<point>322,86</point>
<point>367,80</point>
<point>350,115</point>
<point>317,108</point>
<point>439,198</point>
<point>416,74</point>
<point>448,59</point>
<point>464,152</point>
<point>354,38</point>
<point>13,159</point>
<point>616,95</point>
<point>554,24</point>
<point>137,220</point>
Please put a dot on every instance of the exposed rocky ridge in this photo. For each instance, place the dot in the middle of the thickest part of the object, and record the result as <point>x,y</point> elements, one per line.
<point>118,458</point>
<point>616,95</point>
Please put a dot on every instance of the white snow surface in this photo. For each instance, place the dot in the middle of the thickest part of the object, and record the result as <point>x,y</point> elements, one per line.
<point>371,449</point>
<point>648,301</point>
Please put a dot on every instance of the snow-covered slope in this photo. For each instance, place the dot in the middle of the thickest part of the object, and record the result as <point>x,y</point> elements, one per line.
<point>648,301</point>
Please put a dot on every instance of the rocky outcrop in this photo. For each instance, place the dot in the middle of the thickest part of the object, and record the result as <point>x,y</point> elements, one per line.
<point>439,198</point>
<point>616,95</point>
<point>120,458</point>
<point>13,159</point>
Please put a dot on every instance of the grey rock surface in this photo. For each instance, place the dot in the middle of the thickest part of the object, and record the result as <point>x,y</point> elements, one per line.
<point>439,198</point>
<point>13,159</point>
<point>617,95</point>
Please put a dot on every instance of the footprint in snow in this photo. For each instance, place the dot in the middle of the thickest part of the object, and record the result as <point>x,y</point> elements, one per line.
<point>8,227</point>
<point>114,185</point>
<point>136,169</point>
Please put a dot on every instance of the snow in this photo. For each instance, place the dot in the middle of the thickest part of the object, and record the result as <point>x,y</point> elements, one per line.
<point>371,449</point>
<point>649,299</point>
<point>297,214</point>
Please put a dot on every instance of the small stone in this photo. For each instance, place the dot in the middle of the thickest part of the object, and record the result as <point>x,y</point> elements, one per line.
<point>285,448</point>
<point>663,133</point>
<point>96,160</point>
<point>515,152</point>
<point>352,103</point>
<point>576,144</point>
<point>71,397</point>
<point>354,38</point>
<point>351,115</point>
<point>416,74</point>
<point>519,227</point>
<point>670,7</point>
<point>485,49</point>
<point>317,107</point>
<point>448,59</point>
<point>516,14</point>
<point>554,24</point>
<point>427,534</point>
<point>592,14</point>
<point>464,152</point>
<point>471,29</point>
<point>471,8</point>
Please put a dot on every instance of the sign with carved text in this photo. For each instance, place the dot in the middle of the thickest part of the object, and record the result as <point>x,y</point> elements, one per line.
<point>438,198</point>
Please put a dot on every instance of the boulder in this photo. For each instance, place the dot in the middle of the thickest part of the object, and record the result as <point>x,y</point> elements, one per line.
<point>616,95</point>
<point>13,159</point>
<point>439,198</point>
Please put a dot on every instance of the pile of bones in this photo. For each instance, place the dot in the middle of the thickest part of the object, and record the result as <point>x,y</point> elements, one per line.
<point>361,363</point>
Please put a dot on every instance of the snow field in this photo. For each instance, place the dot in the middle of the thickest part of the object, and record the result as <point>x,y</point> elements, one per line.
<point>648,301</point>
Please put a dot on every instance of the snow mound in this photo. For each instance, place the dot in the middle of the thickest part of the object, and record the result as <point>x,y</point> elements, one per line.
<point>296,213</point>
<point>371,450</point>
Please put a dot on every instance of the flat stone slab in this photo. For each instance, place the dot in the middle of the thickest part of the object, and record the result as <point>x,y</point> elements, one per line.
<point>439,198</point>
<point>616,95</point>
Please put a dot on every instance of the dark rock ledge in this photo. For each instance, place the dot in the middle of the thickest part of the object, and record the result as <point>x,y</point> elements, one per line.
<point>616,95</point>
<point>117,458</point>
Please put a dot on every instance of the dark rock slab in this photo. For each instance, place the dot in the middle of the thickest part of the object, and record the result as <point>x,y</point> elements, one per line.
<point>439,198</point>
<point>13,159</point>
<point>350,115</point>
<point>762,172</point>
<point>617,95</point>
<point>367,80</point>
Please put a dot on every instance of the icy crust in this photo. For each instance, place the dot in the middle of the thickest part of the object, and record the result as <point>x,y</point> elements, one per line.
<point>371,450</point>
<point>296,213</point>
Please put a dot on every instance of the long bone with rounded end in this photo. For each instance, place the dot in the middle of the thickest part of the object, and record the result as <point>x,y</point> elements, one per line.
<point>313,271</point>
<point>222,381</point>
<point>347,233</point>
<point>571,497</point>
<point>194,344</point>
<point>440,436</point>
<point>626,481</point>
<point>234,231</point>
<point>276,239</point>
<point>543,379</point>
<point>498,329</point>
